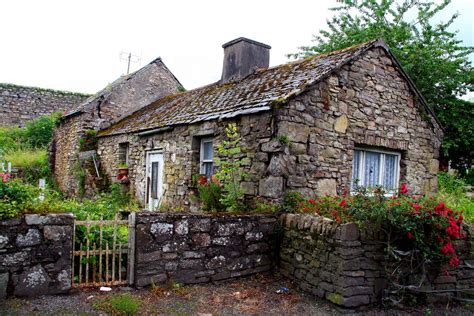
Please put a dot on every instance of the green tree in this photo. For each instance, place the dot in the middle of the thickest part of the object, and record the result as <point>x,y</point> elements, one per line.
<point>431,54</point>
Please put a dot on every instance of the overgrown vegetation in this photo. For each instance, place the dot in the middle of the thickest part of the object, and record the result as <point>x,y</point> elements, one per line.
<point>429,51</point>
<point>223,192</point>
<point>26,148</point>
<point>452,190</point>
<point>18,197</point>
<point>420,234</point>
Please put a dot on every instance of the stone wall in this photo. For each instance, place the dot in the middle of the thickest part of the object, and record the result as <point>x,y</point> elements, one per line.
<point>365,103</point>
<point>19,104</point>
<point>180,147</point>
<point>345,265</point>
<point>202,248</point>
<point>35,255</point>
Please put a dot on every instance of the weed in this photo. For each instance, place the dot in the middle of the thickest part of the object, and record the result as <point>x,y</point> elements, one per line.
<point>119,304</point>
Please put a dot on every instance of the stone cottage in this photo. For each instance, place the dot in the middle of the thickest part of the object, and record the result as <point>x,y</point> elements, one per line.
<point>123,96</point>
<point>317,126</point>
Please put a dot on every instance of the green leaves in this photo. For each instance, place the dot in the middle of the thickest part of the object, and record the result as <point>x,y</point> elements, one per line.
<point>432,56</point>
<point>229,172</point>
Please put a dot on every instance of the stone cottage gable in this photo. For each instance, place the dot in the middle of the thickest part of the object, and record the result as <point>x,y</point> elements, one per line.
<point>367,104</point>
<point>123,96</point>
<point>129,93</point>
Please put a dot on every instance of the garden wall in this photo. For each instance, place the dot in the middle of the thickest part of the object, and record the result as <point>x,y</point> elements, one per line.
<point>345,265</point>
<point>35,255</point>
<point>202,248</point>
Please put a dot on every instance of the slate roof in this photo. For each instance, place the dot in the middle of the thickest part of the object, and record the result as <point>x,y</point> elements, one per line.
<point>254,93</point>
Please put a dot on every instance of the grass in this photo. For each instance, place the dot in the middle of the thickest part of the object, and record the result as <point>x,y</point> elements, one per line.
<point>119,304</point>
<point>452,192</point>
<point>30,158</point>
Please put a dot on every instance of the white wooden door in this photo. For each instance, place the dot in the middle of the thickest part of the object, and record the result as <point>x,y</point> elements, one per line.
<point>154,171</point>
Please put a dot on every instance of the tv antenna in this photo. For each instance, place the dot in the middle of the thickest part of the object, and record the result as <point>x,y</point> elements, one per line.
<point>129,58</point>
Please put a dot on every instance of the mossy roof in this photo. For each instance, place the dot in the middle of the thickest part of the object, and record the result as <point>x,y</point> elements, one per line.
<point>256,92</point>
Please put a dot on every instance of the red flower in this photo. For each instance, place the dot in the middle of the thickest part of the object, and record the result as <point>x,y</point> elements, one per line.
<point>404,188</point>
<point>454,261</point>
<point>417,207</point>
<point>312,201</point>
<point>410,235</point>
<point>343,203</point>
<point>202,180</point>
<point>447,249</point>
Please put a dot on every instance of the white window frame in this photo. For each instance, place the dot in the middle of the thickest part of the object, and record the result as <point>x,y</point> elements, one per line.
<point>361,174</point>
<point>201,154</point>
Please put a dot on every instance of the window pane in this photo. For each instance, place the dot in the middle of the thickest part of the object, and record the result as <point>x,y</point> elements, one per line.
<point>389,172</point>
<point>154,180</point>
<point>207,168</point>
<point>356,169</point>
<point>207,151</point>
<point>372,168</point>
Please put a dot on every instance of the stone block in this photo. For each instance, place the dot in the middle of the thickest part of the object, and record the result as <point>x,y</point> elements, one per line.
<point>181,227</point>
<point>216,262</point>
<point>433,166</point>
<point>326,187</point>
<point>3,285</point>
<point>32,282</point>
<point>201,239</point>
<point>31,238</point>
<point>350,231</point>
<point>271,187</point>
<point>200,224</point>
<point>3,241</point>
<point>295,132</point>
<point>57,233</point>
<point>341,124</point>
<point>161,229</point>
<point>272,146</point>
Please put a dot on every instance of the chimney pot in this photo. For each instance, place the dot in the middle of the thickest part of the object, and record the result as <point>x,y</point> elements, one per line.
<point>242,56</point>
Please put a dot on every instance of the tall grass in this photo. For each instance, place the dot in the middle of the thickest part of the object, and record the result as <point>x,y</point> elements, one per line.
<point>452,192</point>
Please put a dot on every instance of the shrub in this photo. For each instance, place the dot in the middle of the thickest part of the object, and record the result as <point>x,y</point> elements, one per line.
<point>210,194</point>
<point>230,173</point>
<point>452,192</point>
<point>39,132</point>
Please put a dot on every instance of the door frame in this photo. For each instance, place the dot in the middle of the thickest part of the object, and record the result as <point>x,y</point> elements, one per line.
<point>148,154</point>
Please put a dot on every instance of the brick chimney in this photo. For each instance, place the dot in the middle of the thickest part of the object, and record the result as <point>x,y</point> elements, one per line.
<point>242,56</point>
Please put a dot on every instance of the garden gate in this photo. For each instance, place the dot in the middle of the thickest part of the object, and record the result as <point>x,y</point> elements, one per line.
<point>104,252</point>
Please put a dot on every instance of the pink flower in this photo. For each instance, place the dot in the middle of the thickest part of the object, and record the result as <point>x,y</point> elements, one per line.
<point>410,235</point>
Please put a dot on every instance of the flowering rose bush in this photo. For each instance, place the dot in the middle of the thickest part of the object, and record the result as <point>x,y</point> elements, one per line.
<point>412,225</point>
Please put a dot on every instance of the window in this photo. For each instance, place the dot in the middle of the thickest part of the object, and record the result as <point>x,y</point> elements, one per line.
<point>207,157</point>
<point>372,167</point>
<point>123,154</point>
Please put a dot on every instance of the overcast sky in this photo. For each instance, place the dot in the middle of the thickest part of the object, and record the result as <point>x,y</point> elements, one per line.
<point>76,45</point>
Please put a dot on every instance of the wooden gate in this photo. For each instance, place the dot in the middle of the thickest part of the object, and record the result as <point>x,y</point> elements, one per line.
<point>104,252</point>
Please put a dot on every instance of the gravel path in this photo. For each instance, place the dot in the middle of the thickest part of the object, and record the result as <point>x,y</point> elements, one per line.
<point>249,296</point>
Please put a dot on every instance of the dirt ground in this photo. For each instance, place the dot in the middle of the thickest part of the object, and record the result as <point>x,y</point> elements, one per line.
<point>255,295</point>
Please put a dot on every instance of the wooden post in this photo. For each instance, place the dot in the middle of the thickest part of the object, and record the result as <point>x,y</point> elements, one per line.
<point>79,281</point>
<point>131,249</point>
<point>73,255</point>
<point>114,248</point>
<point>100,251</point>
<point>120,263</point>
<point>106,263</point>
<point>88,231</point>
<point>94,265</point>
